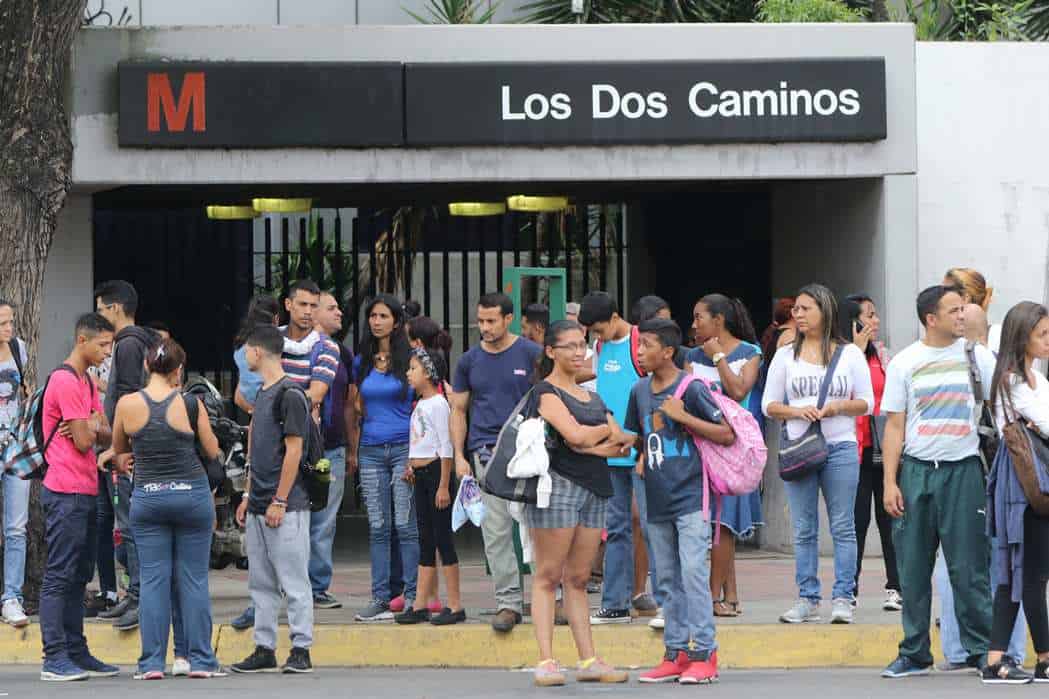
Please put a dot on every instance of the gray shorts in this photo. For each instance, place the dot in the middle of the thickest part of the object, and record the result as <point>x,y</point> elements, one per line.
<point>571,505</point>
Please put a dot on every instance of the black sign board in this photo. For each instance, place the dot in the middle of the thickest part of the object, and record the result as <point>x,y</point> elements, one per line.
<point>261,105</point>
<point>739,101</point>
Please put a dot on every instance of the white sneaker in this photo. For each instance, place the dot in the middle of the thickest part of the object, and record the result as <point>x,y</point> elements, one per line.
<point>180,668</point>
<point>14,614</point>
<point>893,601</point>
<point>658,621</point>
<point>841,613</point>
<point>802,611</point>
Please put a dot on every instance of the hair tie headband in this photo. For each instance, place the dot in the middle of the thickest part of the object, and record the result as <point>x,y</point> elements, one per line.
<point>427,361</point>
<point>160,351</point>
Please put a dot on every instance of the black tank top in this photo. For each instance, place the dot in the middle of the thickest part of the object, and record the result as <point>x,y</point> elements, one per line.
<point>162,453</point>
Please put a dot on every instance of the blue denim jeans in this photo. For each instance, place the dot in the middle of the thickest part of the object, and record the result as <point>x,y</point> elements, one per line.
<point>69,521</point>
<point>122,513</point>
<point>950,636</point>
<point>382,468</point>
<point>173,528</point>
<point>322,524</point>
<point>105,553</point>
<point>679,548</point>
<point>618,583</point>
<point>838,479</point>
<point>16,515</point>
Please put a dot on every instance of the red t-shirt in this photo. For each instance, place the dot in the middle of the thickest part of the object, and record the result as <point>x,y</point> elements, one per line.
<point>69,397</point>
<point>863,423</point>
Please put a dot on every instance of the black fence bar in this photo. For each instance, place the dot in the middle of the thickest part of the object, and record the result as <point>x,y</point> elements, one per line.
<point>515,233</point>
<point>534,262</point>
<point>304,247</point>
<point>371,239</point>
<point>338,263</point>
<point>620,262</point>
<point>567,223</point>
<point>584,229</point>
<point>409,290</point>
<point>482,228</point>
<point>603,250</point>
<point>429,228</point>
<point>318,253</point>
<point>553,238</point>
<point>503,225</point>
<point>446,281</point>
<point>464,272</point>
<point>355,268</point>
<point>268,249</point>
<point>285,253</point>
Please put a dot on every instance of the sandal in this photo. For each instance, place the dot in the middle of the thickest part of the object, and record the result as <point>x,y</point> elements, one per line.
<point>723,608</point>
<point>736,607</point>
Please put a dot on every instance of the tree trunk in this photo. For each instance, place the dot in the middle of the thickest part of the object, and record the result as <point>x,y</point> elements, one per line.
<point>36,155</point>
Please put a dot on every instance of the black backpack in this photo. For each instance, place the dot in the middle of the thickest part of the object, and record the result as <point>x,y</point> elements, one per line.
<point>316,475</point>
<point>985,426</point>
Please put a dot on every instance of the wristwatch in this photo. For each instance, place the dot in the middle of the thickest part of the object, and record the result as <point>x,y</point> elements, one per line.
<point>717,358</point>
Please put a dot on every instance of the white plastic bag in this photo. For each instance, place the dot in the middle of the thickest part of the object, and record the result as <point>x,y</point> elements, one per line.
<point>468,505</point>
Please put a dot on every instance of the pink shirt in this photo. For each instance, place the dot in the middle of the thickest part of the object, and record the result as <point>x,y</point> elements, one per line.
<point>69,397</point>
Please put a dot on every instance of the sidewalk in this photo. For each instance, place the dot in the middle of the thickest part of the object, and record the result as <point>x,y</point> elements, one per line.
<point>754,640</point>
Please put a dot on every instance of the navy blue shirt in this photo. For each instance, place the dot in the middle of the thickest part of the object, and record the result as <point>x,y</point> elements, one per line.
<point>496,383</point>
<point>673,469</point>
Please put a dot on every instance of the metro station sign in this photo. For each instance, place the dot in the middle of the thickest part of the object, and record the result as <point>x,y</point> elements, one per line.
<point>731,101</point>
<point>261,105</point>
<point>363,105</point>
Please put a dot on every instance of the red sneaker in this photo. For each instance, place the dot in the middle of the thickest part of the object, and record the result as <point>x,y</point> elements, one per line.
<point>669,670</point>
<point>397,604</point>
<point>701,671</point>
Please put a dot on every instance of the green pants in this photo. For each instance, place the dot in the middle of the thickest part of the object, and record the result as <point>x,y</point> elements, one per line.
<point>944,506</point>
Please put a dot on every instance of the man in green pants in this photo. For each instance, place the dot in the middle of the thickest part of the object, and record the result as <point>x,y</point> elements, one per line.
<point>936,491</point>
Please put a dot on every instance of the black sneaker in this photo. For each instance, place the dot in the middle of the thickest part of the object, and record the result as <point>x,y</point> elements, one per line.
<point>245,621</point>
<point>413,616</point>
<point>298,662</point>
<point>128,621</point>
<point>97,604</point>
<point>117,610</point>
<point>325,600</point>
<point>262,660</point>
<point>904,667</point>
<point>611,616</point>
<point>1005,672</point>
<point>1041,672</point>
<point>447,617</point>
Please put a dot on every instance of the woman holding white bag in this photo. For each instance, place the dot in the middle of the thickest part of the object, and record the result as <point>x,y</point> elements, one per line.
<point>566,534</point>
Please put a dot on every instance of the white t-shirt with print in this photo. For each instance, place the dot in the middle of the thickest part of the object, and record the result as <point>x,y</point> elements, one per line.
<point>801,381</point>
<point>1026,403</point>
<point>11,395</point>
<point>429,437</point>
<point>931,385</point>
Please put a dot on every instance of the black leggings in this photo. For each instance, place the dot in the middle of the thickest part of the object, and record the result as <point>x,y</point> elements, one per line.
<point>871,486</point>
<point>1036,574</point>
<point>435,526</point>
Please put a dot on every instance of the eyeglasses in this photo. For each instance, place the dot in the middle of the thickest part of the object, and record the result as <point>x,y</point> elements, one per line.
<point>577,347</point>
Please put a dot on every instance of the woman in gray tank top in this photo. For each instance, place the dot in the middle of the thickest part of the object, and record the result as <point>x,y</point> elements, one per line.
<point>172,515</point>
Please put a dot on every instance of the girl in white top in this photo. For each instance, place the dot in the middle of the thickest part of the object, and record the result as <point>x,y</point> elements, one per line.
<point>796,373</point>
<point>430,459</point>
<point>1018,393</point>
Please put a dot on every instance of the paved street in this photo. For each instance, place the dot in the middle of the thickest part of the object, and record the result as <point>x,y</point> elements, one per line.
<point>19,683</point>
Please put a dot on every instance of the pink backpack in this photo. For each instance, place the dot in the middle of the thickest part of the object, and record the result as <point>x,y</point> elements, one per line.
<point>736,469</point>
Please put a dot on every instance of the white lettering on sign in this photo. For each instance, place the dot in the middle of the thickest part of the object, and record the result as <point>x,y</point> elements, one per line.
<point>706,100</point>
<point>537,106</point>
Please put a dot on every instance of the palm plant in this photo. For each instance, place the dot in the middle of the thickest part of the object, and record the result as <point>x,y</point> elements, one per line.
<point>456,12</point>
<point>637,11</point>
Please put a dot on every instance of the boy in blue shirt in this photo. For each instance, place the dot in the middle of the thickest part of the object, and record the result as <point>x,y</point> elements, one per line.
<point>678,532</point>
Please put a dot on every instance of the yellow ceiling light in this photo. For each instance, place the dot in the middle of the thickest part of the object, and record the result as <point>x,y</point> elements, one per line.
<point>476,208</point>
<point>282,206</point>
<point>521,202</point>
<point>231,212</point>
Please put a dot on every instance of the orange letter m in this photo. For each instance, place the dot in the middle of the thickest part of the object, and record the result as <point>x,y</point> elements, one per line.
<point>160,95</point>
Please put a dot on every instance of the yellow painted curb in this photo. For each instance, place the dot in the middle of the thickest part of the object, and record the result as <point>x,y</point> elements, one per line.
<point>477,646</point>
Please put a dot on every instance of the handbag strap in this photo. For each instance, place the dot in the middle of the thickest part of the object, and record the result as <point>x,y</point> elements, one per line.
<point>829,376</point>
